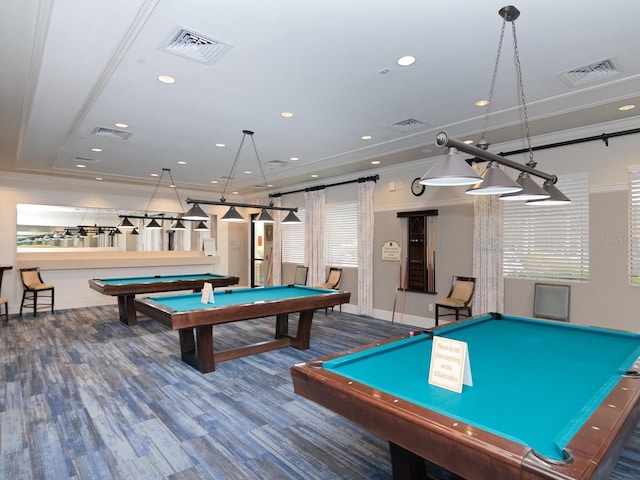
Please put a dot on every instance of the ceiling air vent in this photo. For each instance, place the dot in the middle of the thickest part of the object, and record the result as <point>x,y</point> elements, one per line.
<point>87,160</point>
<point>194,46</point>
<point>591,73</point>
<point>276,163</point>
<point>111,133</point>
<point>409,124</point>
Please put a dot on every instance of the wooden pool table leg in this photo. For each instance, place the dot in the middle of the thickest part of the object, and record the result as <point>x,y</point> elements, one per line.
<point>282,325</point>
<point>198,351</point>
<point>127,309</point>
<point>303,336</point>
<point>406,465</point>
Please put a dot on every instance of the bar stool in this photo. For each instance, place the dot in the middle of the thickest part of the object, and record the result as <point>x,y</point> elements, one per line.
<point>34,287</point>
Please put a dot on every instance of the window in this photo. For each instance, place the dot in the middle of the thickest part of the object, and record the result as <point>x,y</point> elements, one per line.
<point>634,225</point>
<point>549,242</point>
<point>341,234</point>
<point>293,240</point>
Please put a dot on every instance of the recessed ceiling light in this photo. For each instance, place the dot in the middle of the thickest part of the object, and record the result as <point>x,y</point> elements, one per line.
<point>172,186</point>
<point>220,145</point>
<point>468,142</point>
<point>294,159</point>
<point>79,165</point>
<point>166,79</point>
<point>481,103</point>
<point>214,181</point>
<point>314,175</point>
<point>248,171</point>
<point>406,60</point>
<point>375,162</point>
<point>624,108</point>
<point>154,174</point>
<point>181,162</point>
<point>99,178</point>
<point>366,137</point>
<point>286,114</point>
<point>269,185</point>
<point>121,125</point>
<point>96,149</point>
<point>235,193</point>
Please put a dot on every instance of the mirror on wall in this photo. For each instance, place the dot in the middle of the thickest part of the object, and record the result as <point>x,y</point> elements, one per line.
<point>52,226</point>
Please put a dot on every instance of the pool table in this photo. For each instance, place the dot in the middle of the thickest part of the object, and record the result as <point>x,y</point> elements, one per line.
<point>194,320</point>
<point>128,287</point>
<point>549,399</point>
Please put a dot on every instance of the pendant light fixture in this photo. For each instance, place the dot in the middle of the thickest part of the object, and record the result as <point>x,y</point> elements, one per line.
<point>232,215</point>
<point>495,180</point>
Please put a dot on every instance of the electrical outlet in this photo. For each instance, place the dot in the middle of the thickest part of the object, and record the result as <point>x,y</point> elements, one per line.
<point>431,307</point>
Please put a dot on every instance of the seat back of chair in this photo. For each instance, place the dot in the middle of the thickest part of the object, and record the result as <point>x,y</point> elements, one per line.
<point>335,275</point>
<point>301,275</point>
<point>30,277</point>
<point>463,288</point>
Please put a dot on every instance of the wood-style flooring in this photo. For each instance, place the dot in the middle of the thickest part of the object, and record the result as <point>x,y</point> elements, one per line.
<point>83,396</point>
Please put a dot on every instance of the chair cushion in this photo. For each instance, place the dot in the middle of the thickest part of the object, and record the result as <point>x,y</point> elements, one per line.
<point>452,302</point>
<point>3,300</point>
<point>40,286</point>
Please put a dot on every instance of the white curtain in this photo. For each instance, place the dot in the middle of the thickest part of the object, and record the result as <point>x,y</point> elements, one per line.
<point>487,255</point>
<point>314,236</point>
<point>276,252</point>
<point>365,248</point>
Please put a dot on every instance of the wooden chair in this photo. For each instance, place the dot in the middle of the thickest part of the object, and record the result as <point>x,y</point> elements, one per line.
<point>4,301</point>
<point>459,298</point>
<point>35,288</point>
<point>301,275</point>
<point>332,282</point>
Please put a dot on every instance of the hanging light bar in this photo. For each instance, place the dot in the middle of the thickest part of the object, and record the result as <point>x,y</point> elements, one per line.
<point>232,215</point>
<point>495,180</point>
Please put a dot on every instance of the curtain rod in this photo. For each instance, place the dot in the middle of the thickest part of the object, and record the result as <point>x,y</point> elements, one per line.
<point>372,178</point>
<point>603,136</point>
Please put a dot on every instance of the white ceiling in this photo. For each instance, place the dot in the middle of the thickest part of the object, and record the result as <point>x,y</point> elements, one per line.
<point>68,67</point>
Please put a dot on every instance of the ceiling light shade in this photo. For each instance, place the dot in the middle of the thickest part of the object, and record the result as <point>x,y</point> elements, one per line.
<point>451,170</point>
<point>264,217</point>
<point>232,216</point>
<point>195,213</point>
<point>82,232</point>
<point>530,190</point>
<point>291,218</point>
<point>153,225</point>
<point>201,227</point>
<point>178,225</point>
<point>117,231</point>
<point>556,197</point>
<point>135,231</point>
<point>496,182</point>
<point>126,223</point>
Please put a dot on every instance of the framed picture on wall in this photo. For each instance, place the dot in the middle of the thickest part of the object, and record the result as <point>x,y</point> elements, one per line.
<point>268,233</point>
